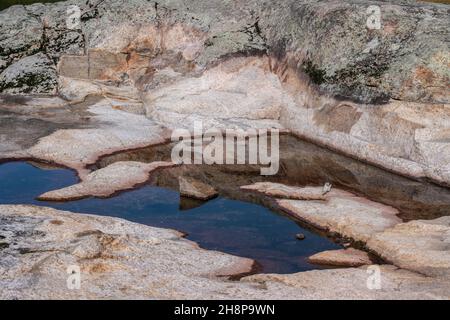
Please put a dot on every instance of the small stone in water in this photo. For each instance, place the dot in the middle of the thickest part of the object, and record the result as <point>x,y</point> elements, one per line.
<point>300,236</point>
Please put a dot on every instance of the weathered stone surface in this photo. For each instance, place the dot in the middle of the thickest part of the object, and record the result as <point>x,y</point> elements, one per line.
<point>345,214</point>
<point>115,130</point>
<point>117,259</point>
<point>32,74</point>
<point>72,66</point>
<point>422,246</point>
<point>123,260</point>
<point>329,41</point>
<point>342,212</point>
<point>304,55</point>
<point>193,188</point>
<point>345,284</point>
<point>107,181</point>
<point>219,100</point>
<point>278,190</point>
<point>26,119</point>
<point>341,258</point>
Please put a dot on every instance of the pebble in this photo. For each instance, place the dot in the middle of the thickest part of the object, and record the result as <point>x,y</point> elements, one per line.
<point>300,236</point>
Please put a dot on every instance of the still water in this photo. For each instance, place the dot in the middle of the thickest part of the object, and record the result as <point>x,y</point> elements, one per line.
<point>231,226</point>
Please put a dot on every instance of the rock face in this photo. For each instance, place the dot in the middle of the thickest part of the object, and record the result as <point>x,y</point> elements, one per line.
<point>312,67</point>
<point>107,181</point>
<point>405,59</point>
<point>32,74</point>
<point>193,188</point>
<point>341,258</point>
<point>131,71</point>
<point>118,259</point>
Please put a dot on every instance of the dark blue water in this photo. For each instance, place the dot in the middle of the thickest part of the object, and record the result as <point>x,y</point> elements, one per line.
<point>235,227</point>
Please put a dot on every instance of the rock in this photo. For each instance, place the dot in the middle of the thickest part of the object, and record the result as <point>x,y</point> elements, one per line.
<point>117,258</point>
<point>33,74</point>
<point>187,204</point>
<point>355,284</point>
<point>344,213</point>
<point>421,246</point>
<point>115,130</point>
<point>207,98</point>
<point>278,190</point>
<point>300,236</point>
<point>22,34</point>
<point>377,95</point>
<point>341,258</point>
<point>395,61</point>
<point>105,182</point>
<point>193,188</point>
<point>124,260</point>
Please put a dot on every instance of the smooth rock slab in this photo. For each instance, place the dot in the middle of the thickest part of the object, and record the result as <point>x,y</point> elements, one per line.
<point>278,190</point>
<point>352,284</point>
<point>341,258</point>
<point>105,182</point>
<point>422,246</point>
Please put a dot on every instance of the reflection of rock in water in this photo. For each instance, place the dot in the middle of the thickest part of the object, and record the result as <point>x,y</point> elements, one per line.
<point>303,163</point>
<point>189,203</point>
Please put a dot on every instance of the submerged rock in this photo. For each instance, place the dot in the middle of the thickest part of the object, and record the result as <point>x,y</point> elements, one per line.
<point>341,258</point>
<point>193,188</point>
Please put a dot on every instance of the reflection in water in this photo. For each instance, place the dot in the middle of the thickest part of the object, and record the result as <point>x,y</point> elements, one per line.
<point>303,163</point>
<point>240,223</point>
<point>222,224</point>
